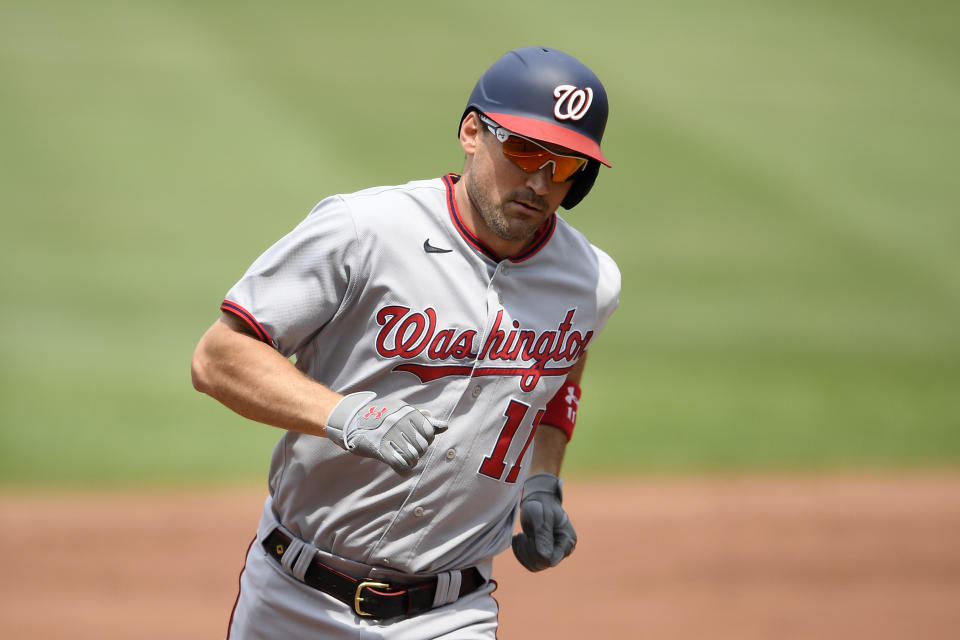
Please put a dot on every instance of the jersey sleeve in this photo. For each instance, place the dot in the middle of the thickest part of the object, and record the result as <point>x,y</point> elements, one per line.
<point>296,286</point>
<point>608,288</point>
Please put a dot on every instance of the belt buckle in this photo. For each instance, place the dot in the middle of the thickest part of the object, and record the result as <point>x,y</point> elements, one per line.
<point>360,587</point>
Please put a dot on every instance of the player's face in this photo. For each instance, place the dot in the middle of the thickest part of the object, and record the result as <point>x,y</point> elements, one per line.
<point>510,203</point>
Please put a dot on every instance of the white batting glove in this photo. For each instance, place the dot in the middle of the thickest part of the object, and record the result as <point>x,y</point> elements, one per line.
<point>390,431</point>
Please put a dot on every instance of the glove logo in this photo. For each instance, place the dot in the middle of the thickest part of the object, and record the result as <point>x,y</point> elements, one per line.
<point>572,102</point>
<point>373,412</point>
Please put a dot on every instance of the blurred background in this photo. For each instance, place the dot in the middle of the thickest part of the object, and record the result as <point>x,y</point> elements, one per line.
<point>783,205</point>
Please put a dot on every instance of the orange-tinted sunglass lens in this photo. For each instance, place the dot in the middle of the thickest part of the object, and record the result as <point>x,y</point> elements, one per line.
<point>531,157</point>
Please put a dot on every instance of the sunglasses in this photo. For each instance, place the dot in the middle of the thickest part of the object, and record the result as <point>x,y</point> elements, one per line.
<point>531,157</point>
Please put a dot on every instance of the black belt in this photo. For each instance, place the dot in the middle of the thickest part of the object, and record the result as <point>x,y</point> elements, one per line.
<point>371,598</point>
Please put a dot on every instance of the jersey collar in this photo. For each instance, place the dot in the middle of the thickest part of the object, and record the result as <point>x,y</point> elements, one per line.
<point>539,241</point>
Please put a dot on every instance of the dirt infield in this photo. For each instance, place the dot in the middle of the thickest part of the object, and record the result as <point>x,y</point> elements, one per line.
<point>799,557</point>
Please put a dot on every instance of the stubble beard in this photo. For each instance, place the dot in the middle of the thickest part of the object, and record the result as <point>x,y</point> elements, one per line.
<point>495,217</point>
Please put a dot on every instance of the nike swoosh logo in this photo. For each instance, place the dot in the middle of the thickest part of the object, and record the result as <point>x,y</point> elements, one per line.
<point>429,248</point>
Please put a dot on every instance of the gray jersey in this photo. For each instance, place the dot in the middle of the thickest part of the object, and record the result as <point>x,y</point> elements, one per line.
<point>386,290</point>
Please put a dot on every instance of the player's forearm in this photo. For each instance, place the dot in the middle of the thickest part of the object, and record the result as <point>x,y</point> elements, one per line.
<point>549,447</point>
<point>550,443</point>
<point>257,382</point>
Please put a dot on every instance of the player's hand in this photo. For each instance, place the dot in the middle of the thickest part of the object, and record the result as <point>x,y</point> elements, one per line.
<point>390,431</point>
<point>548,537</point>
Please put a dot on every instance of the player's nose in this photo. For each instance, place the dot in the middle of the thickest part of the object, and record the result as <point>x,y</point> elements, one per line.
<point>539,180</point>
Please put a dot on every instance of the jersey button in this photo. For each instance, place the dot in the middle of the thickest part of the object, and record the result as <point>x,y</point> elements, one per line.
<point>451,454</point>
<point>418,511</point>
<point>477,390</point>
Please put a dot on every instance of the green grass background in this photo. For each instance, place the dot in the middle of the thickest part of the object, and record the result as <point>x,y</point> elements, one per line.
<point>784,206</point>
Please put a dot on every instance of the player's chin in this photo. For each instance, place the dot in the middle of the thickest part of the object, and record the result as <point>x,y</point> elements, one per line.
<point>523,219</point>
<point>520,230</point>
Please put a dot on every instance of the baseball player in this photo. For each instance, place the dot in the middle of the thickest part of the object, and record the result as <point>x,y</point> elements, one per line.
<point>422,346</point>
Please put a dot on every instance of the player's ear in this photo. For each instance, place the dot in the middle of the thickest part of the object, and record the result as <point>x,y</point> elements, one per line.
<point>470,130</point>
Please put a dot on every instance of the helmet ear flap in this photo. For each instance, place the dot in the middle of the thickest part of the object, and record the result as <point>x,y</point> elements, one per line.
<point>581,185</point>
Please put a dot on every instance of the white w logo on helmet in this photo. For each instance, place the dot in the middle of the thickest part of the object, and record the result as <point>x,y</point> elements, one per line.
<point>572,102</point>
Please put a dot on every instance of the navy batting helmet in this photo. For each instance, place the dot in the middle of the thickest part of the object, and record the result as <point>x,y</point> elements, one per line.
<point>550,96</point>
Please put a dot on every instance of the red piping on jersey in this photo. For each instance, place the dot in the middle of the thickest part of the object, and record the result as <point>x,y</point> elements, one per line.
<point>247,317</point>
<point>544,233</point>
